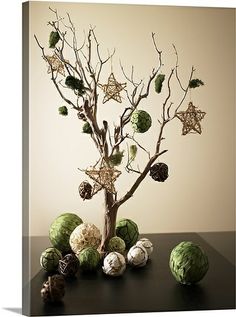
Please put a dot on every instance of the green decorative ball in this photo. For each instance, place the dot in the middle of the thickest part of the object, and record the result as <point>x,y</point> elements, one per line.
<point>75,84</point>
<point>87,128</point>
<point>53,39</point>
<point>188,263</point>
<point>116,244</point>
<point>89,259</point>
<point>127,230</point>
<point>61,229</point>
<point>49,259</point>
<point>63,111</point>
<point>141,121</point>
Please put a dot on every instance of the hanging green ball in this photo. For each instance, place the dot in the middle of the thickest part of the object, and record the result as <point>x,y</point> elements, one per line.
<point>89,259</point>
<point>116,244</point>
<point>159,82</point>
<point>63,111</point>
<point>127,230</point>
<point>116,158</point>
<point>188,263</point>
<point>133,151</point>
<point>49,259</point>
<point>141,121</point>
<point>54,37</point>
<point>87,128</point>
<point>194,83</point>
<point>75,84</point>
<point>61,229</point>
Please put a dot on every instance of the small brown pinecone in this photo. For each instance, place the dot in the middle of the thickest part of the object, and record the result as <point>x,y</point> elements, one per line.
<point>81,116</point>
<point>85,190</point>
<point>53,289</point>
<point>159,172</point>
<point>69,265</point>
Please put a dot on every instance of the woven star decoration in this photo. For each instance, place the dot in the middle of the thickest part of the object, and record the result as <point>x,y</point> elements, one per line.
<point>104,178</point>
<point>191,119</point>
<point>56,65</point>
<point>112,89</point>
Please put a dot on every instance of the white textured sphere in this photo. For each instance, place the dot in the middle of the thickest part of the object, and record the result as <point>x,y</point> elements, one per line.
<point>84,236</point>
<point>137,256</point>
<point>114,264</point>
<point>147,244</point>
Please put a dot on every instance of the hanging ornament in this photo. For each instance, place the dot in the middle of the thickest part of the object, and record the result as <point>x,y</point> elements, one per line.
<point>55,64</point>
<point>104,178</point>
<point>85,190</point>
<point>159,172</point>
<point>158,82</point>
<point>141,121</point>
<point>116,158</point>
<point>54,37</point>
<point>133,151</point>
<point>63,111</point>
<point>194,83</point>
<point>112,89</point>
<point>191,119</point>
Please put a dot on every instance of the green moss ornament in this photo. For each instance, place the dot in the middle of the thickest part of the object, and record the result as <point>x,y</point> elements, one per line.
<point>141,121</point>
<point>133,151</point>
<point>54,37</point>
<point>116,244</point>
<point>87,128</point>
<point>61,229</point>
<point>127,230</point>
<point>49,259</point>
<point>89,259</point>
<point>159,82</point>
<point>188,263</point>
<point>194,83</point>
<point>63,111</point>
<point>75,84</point>
<point>116,158</point>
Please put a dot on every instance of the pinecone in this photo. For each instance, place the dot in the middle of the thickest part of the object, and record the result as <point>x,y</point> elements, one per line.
<point>159,172</point>
<point>53,289</point>
<point>69,265</point>
<point>85,190</point>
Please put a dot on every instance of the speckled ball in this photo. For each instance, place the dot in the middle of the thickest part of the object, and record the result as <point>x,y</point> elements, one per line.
<point>116,244</point>
<point>137,256</point>
<point>89,259</point>
<point>147,244</point>
<point>49,259</point>
<point>84,236</point>
<point>127,230</point>
<point>114,264</point>
<point>141,121</point>
<point>188,263</point>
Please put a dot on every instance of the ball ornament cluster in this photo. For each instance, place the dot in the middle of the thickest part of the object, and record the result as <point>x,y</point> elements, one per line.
<point>49,259</point>
<point>127,230</point>
<point>116,244</point>
<point>137,256</point>
<point>146,244</point>
<point>114,264</point>
<point>141,121</point>
<point>89,259</point>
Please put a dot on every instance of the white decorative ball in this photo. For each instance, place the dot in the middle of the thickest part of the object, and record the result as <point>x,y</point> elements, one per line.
<point>84,236</point>
<point>114,264</point>
<point>137,256</point>
<point>147,244</point>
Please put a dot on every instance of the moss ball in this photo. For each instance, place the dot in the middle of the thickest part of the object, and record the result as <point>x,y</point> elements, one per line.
<point>116,244</point>
<point>87,128</point>
<point>188,263</point>
<point>49,259</point>
<point>141,121</point>
<point>89,259</point>
<point>116,158</point>
<point>127,230</point>
<point>61,229</point>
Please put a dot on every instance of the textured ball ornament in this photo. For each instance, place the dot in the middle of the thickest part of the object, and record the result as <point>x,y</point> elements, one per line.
<point>146,244</point>
<point>159,172</point>
<point>137,256</point>
<point>188,263</point>
<point>141,121</point>
<point>49,259</point>
<point>127,230</point>
<point>114,264</point>
<point>69,265</point>
<point>85,190</point>
<point>84,236</point>
<point>53,290</point>
<point>89,259</point>
<point>61,229</point>
<point>116,244</point>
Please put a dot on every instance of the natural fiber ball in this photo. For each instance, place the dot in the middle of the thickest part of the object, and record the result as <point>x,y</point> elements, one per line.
<point>84,236</point>
<point>53,290</point>
<point>49,259</point>
<point>63,111</point>
<point>116,244</point>
<point>89,259</point>
<point>127,230</point>
<point>85,190</point>
<point>141,121</point>
<point>69,265</point>
<point>87,128</point>
<point>114,264</point>
<point>75,84</point>
<point>53,39</point>
<point>137,256</point>
<point>159,172</point>
<point>188,263</point>
<point>159,82</point>
<point>116,158</point>
<point>146,244</point>
<point>60,230</point>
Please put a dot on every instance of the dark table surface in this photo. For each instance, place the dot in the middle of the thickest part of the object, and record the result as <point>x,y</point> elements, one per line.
<point>148,289</point>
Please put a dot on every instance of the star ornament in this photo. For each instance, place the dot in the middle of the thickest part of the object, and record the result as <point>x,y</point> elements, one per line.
<point>55,65</point>
<point>112,89</point>
<point>104,178</point>
<point>191,119</point>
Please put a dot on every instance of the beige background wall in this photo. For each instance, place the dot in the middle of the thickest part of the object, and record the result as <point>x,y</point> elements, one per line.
<point>199,194</point>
